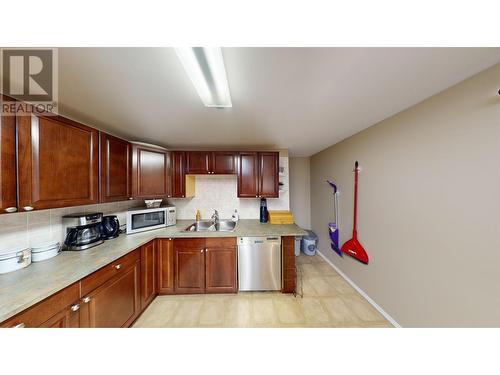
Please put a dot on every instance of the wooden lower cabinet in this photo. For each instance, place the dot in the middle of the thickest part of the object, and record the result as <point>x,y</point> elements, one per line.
<point>165,264</point>
<point>59,310</point>
<point>148,274</point>
<point>288,263</point>
<point>189,265</point>
<point>220,265</point>
<point>116,303</point>
<point>204,265</point>
<point>67,318</point>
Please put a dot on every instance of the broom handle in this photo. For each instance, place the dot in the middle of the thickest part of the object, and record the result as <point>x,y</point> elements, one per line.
<point>355,196</point>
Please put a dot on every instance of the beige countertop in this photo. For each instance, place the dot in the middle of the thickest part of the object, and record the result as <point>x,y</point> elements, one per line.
<point>22,289</point>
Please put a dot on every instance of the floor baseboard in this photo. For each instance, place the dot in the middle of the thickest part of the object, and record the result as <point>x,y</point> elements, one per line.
<point>361,291</point>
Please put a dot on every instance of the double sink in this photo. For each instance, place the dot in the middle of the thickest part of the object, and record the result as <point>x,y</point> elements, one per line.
<point>210,226</point>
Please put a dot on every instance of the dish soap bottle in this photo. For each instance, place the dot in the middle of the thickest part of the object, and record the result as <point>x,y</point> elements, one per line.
<point>235,216</point>
<point>198,215</point>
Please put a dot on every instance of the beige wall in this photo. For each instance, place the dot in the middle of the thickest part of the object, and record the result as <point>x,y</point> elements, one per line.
<point>429,207</point>
<point>300,197</point>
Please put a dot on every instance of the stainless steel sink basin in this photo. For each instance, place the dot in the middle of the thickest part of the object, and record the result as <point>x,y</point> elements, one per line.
<point>208,226</point>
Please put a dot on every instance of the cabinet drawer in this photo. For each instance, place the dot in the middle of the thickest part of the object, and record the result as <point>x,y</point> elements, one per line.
<point>36,315</point>
<point>99,277</point>
<point>220,243</point>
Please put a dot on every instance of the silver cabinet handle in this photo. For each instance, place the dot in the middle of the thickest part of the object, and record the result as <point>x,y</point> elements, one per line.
<point>86,299</point>
<point>75,307</point>
<point>201,251</point>
<point>118,266</point>
<point>20,325</point>
<point>11,209</point>
<point>130,198</point>
<point>28,208</point>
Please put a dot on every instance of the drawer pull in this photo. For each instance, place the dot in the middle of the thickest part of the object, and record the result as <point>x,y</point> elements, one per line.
<point>20,325</point>
<point>28,208</point>
<point>118,266</point>
<point>11,209</point>
<point>75,307</point>
<point>86,299</point>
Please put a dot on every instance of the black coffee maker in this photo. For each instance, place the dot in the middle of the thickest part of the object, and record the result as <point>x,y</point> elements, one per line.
<point>110,227</point>
<point>83,230</point>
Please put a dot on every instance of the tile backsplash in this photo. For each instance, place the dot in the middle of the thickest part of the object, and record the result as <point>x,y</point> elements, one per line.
<point>218,192</point>
<point>30,228</point>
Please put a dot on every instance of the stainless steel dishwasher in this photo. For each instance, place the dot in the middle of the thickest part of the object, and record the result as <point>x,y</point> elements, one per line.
<point>259,263</point>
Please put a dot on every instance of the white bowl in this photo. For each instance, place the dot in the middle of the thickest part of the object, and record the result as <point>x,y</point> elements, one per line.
<point>15,259</point>
<point>44,255</point>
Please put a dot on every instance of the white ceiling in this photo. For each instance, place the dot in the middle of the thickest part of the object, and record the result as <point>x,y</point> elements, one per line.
<point>303,99</point>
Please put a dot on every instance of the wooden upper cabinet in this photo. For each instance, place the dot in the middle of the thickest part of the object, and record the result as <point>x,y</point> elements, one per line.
<point>210,162</point>
<point>220,265</point>
<point>248,175</point>
<point>178,174</point>
<point>183,185</point>
<point>224,162</point>
<point>150,172</point>
<point>258,175</point>
<point>198,162</point>
<point>189,263</point>
<point>116,161</point>
<point>269,174</point>
<point>58,163</point>
<point>8,177</point>
<point>165,264</point>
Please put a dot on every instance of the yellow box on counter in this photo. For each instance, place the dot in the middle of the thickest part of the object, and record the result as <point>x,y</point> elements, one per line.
<point>281,217</point>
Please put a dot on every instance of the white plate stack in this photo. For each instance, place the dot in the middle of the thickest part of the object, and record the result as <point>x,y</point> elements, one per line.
<point>14,259</point>
<point>44,251</point>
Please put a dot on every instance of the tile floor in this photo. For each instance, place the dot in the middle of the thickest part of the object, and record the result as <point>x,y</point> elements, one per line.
<point>328,301</point>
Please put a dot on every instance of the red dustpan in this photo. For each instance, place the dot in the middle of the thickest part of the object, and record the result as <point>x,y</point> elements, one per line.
<point>353,247</point>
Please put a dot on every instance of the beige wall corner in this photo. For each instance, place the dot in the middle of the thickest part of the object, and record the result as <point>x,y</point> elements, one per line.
<point>300,195</point>
<point>429,207</point>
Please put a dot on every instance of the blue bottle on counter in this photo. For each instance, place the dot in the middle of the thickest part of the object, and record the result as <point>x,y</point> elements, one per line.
<point>264,215</point>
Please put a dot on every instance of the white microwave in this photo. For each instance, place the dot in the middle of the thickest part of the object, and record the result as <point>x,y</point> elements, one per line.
<point>150,218</point>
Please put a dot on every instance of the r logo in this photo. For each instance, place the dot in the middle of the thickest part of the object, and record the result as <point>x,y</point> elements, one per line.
<point>28,74</point>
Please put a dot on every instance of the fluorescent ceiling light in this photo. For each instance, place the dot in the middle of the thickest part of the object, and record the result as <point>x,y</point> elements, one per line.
<point>205,67</point>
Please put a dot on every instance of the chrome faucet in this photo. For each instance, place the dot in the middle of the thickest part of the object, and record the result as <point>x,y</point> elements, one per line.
<point>215,219</point>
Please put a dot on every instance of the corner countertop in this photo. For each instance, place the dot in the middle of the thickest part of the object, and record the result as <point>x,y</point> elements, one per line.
<point>22,289</point>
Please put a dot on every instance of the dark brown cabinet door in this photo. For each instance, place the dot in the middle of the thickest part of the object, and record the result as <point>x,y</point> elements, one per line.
<point>165,250</point>
<point>8,184</point>
<point>189,263</point>
<point>116,303</point>
<point>269,174</point>
<point>178,174</point>
<point>150,172</point>
<point>198,162</point>
<point>148,274</point>
<point>288,265</point>
<point>220,269</point>
<point>223,162</point>
<point>248,175</point>
<point>115,169</point>
<point>58,163</point>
